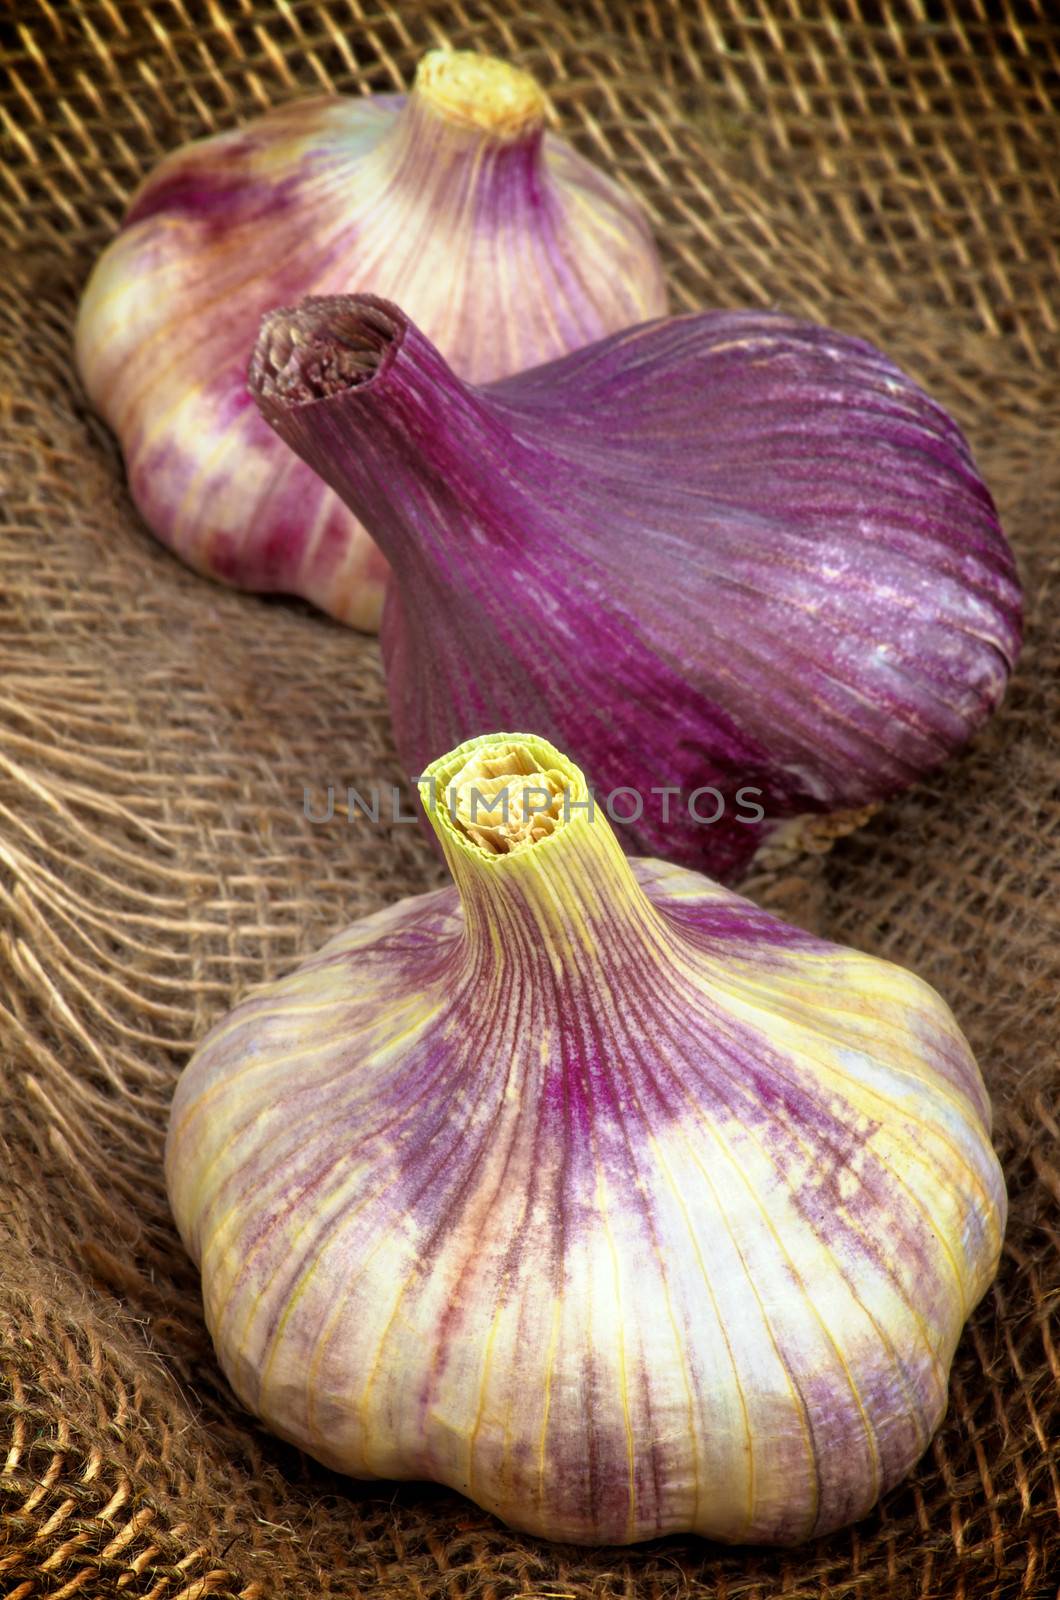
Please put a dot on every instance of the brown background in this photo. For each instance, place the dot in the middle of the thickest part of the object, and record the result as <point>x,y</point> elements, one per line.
<point>891,168</point>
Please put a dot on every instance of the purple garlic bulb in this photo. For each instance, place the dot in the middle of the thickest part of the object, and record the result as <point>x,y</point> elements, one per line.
<point>746,552</point>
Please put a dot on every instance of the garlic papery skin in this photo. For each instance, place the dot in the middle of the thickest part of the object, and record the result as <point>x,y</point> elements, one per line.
<point>590,1189</point>
<point>508,246</point>
<point>727,551</point>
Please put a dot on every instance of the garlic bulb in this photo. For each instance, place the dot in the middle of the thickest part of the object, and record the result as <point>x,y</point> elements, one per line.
<point>508,246</point>
<point>730,555</point>
<point>590,1189</point>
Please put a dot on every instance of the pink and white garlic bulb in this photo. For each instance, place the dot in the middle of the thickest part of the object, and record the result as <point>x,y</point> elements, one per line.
<point>590,1189</point>
<point>507,246</point>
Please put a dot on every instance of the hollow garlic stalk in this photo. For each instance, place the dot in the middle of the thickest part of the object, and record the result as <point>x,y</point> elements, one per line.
<point>590,1189</point>
<point>510,247</point>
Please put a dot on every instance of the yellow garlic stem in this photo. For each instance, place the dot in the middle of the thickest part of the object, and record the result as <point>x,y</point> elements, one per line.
<point>480,92</point>
<point>504,799</point>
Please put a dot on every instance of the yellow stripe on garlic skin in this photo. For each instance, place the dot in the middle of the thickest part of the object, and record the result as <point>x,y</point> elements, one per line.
<point>590,1189</point>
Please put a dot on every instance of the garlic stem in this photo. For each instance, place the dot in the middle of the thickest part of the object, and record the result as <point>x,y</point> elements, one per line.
<point>505,799</point>
<point>337,369</point>
<point>302,362</point>
<point>480,92</point>
<point>550,886</point>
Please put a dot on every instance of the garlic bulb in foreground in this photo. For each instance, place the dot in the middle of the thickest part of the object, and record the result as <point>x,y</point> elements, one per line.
<point>508,247</point>
<point>730,560</point>
<point>590,1189</point>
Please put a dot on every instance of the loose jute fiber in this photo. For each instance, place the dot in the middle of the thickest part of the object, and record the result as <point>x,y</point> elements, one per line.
<point>888,168</point>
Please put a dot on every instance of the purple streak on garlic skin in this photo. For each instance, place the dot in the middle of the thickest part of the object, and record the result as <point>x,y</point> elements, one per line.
<point>741,550</point>
<point>507,245</point>
<point>568,1188</point>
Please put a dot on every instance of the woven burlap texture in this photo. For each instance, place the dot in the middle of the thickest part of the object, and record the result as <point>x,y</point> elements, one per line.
<point>890,169</point>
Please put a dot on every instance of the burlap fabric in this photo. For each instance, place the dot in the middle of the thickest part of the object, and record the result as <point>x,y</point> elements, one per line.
<point>891,169</point>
